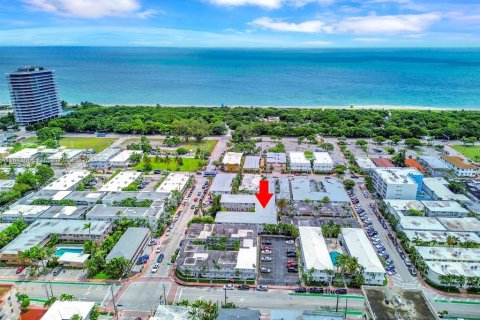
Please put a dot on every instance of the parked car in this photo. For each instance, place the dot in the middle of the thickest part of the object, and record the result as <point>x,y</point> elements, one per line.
<point>266,252</point>
<point>158,250</point>
<point>292,269</point>
<point>152,242</point>
<point>160,258</point>
<point>267,242</point>
<point>155,268</point>
<point>244,287</point>
<point>291,254</point>
<point>57,271</point>
<point>266,259</point>
<point>316,290</point>
<point>341,291</point>
<point>300,290</point>
<point>402,255</point>
<point>20,269</point>
<point>413,272</point>
<point>264,270</point>
<point>262,287</point>
<point>228,287</point>
<point>290,241</point>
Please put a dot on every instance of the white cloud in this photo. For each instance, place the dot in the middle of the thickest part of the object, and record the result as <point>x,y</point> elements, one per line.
<point>268,4</point>
<point>369,40</point>
<point>387,24</point>
<point>90,9</point>
<point>372,24</point>
<point>317,43</point>
<point>306,26</point>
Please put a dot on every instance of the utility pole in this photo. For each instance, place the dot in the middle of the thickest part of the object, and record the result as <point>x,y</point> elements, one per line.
<point>346,306</point>
<point>164,295</point>
<point>114,303</point>
<point>225,296</point>
<point>46,289</point>
<point>51,289</point>
<point>336,308</point>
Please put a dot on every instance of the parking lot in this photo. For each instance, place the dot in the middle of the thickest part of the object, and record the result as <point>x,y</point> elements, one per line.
<point>278,274</point>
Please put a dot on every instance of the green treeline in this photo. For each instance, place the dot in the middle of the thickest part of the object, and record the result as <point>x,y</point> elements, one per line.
<point>201,121</point>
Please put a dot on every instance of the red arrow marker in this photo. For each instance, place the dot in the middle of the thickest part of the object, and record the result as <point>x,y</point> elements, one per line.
<point>263,196</point>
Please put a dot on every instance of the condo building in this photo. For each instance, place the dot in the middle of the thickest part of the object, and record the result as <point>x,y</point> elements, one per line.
<point>33,93</point>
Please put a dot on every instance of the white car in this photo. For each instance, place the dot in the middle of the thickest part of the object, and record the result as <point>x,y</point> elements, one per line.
<point>168,233</point>
<point>228,287</point>
<point>158,250</point>
<point>155,268</point>
<point>266,259</point>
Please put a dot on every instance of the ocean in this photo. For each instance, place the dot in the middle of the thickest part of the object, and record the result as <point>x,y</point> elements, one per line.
<point>440,78</point>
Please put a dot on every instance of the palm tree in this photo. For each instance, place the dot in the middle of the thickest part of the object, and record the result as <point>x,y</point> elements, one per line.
<point>282,203</point>
<point>88,226</point>
<point>452,241</point>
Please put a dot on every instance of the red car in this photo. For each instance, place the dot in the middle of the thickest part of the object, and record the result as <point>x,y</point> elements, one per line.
<point>292,264</point>
<point>20,269</point>
<point>196,199</point>
<point>266,248</point>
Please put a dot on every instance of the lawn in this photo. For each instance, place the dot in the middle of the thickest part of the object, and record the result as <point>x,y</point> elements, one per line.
<point>205,145</point>
<point>472,152</point>
<point>97,144</point>
<point>189,164</point>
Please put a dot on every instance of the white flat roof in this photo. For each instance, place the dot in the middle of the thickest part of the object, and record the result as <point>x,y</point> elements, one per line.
<point>315,251</point>
<point>421,223</point>
<point>246,258</point>
<point>233,158</point>
<point>359,247</point>
<point>174,181</point>
<point>455,268</point>
<point>61,310</point>
<point>461,224</point>
<point>404,205</point>
<point>60,195</point>
<point>67,181</point>
<point>222,182</point>
<point>71,153</point>
<point>251,182</point>
<point>322,158</point>
<point>439,187</point>
<point>276,157</point>
<point>251,162</point>
<point>444,206</point>
<point>397,175</point>
<point>120,181</point>
<point>298,158</point>
<point>449,254</point>
<point>26,153</point>
<point>25,210</point>
<point>441,236</point>
<point>73,257</point>
<point>365,163</point>
<point>123,156</point>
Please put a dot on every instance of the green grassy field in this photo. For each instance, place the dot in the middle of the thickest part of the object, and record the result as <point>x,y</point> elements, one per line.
<point>97,144</point>
<point>205,145</point>
<point>471,152</point>
<point>188,165</point>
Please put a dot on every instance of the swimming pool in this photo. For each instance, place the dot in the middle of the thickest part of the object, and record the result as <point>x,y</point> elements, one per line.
<point>333,257</point>
<point>61,251</point>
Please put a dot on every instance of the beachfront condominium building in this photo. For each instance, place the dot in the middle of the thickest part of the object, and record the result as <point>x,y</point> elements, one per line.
<point>33,93</point>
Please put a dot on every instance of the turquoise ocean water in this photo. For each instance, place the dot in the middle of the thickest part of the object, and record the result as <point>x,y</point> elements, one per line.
<point>316,77</point>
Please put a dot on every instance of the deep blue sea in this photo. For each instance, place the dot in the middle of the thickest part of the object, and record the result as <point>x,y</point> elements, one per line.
<point>263,77</point>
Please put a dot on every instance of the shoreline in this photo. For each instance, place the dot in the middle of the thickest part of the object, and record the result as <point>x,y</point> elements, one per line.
<point>353,107</point>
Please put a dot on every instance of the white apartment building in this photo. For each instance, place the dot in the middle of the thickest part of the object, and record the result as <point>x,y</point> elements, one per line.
<point>322,162</point>
<point>71,155</point>
<point>358,246</point>
<point>460,167</point>
<point>315,253</point>
<point>298,162</point>
<point>397,183</point>
<point>122,159</point>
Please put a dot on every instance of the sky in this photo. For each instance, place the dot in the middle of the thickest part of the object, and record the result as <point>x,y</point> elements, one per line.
<point>241,23</point>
